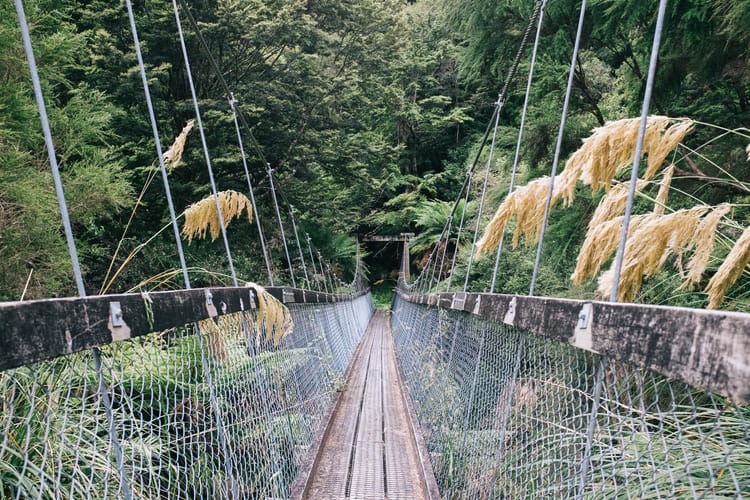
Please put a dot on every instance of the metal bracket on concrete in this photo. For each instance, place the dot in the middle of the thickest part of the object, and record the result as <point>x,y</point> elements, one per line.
<point>582,337</point>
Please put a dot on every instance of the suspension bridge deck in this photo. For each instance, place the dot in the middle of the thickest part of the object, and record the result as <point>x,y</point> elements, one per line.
<point>369,449</point>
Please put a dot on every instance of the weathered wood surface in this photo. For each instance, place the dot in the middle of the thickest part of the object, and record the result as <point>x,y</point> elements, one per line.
<point>35,330</point>
<point>369,448</point>
<point>705,348</point>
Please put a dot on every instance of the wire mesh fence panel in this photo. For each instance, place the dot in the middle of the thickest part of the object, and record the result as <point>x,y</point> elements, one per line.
<point>215,409</point>
<point>509,414</point>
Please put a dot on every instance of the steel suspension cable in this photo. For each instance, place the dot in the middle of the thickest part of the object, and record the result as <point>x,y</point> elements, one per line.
<point>521,129</point>
<point>604,360</point>
<point>299,245</point>
<point>490,157</point>
<point>312,260</point>
<point>266,259</point>
<point>217,70</point>
<point>202,133</point>
<point>157,143</point>
<point>638,148</point>
<point>322,271</point>
<point>63,206</point>
<point>68,230</point>
<point>281,225</point>
<point>558,147</point>
<point>228,462</point>
<point>469,175</point>
<point>493,120</point>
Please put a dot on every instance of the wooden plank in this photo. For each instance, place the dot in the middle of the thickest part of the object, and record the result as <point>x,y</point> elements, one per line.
<point>705,348</point>
<point>384,462</point>
<point>35,330</point>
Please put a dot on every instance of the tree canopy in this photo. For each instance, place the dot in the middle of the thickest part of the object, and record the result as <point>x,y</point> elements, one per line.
<point>369,112</point>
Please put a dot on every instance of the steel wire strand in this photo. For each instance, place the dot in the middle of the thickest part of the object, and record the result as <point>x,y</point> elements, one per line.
<point>202,133</point>
<point>521,129</point>
<point>65,216</point>
<point>558,147</point>
<point>256,215</point>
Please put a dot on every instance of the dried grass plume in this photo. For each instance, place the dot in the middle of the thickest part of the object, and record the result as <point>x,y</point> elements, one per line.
<point>174,154</point>
<point>274,321</point>
<point>203,217</point>
<point>650,244</point>
<point>603,154</point>
<point>730,271</point>
<point>661,198</point>
<point>526,204</point>
<point>612,147</point>
<point>613,203</point>
<point>705,234</point>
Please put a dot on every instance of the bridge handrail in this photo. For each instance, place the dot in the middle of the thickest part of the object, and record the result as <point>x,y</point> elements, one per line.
<point>709,349</point>
<point>42,329</point>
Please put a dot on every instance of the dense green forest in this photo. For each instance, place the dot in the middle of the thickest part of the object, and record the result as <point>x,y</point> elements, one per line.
<point>369,112</point>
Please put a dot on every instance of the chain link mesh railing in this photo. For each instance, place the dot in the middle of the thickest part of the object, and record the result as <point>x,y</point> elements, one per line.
<point>508,414</point>
<point>178,413</point>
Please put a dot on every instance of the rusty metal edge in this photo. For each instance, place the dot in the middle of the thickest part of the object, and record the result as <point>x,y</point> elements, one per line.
<point>708,349</point>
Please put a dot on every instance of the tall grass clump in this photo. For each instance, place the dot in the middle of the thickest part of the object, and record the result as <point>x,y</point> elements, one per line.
<point>601,157</point>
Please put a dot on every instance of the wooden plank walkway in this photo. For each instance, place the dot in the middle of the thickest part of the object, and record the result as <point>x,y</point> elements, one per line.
<point>369,449</point>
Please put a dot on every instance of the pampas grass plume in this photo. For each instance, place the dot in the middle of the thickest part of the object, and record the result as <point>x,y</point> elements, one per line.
<point>203,217</point>
<point>704,244</point>
<point>525,203</point>
<point>613,203</point>
<point>649,246</point>
<point>661,198</point>
<point>729,271</point>
<point>174,154</point>
<point>273,319</point>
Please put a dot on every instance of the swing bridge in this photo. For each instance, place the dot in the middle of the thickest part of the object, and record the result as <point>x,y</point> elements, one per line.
<point>194,393</point>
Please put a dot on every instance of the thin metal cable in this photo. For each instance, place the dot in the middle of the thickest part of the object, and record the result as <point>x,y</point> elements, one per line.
<point>102,386</point>
<point>157,142</point>
<point>312,261</point>
<point>493,119</point>
<point>228,463</point>
<point>469,175</point>
<point>586,461</point>
<point>558,147</point>
<point>499,105</point>
<point>322,271</point>
<point>430,267</point>
<point>266,259</point>
<point>281,225</point>
<point>207,157</point>
<point>514,67</point>
<point>219,74</point>
<point>520,135</point>
<point>299,245</point>
<point>638,148</point>
<point>50,148</point>
<point>440,267</point>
